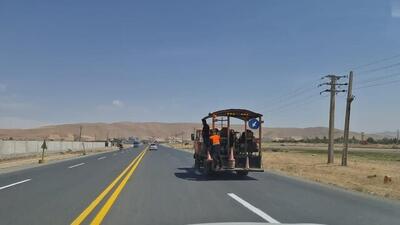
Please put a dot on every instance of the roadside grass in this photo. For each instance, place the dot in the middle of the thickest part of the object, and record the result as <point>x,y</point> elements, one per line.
<point>381,155</point>
<point>365,172</point>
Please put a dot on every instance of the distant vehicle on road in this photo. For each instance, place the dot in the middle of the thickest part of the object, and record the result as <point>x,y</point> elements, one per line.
<point>153,146</point>
<point>136,144</point>
<point>239,152</point>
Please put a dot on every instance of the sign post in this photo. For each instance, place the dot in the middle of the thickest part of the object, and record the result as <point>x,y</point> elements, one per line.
<point>44,147</point>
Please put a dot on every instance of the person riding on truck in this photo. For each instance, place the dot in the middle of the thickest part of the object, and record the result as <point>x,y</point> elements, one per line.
<point>216,147</point>
<point>206,134</point>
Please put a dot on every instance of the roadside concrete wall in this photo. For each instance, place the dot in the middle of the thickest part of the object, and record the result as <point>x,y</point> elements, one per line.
<point>10,148</point>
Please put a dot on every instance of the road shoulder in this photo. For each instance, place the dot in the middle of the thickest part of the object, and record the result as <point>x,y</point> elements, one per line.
<point>14,165</point>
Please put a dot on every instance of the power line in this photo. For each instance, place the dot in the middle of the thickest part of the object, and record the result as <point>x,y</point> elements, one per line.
<point>375,62</point>
<point>298,105</point>
<point>378,78</point>
<point>379,84</point>
<point>380,68</point>
<point>295,101</point>
<point>292,103</point>
<point>295,92</point>
<point>291,96</point>
<point>303,89</point>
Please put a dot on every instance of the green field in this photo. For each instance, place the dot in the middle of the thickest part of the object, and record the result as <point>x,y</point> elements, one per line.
<point>379,154</point>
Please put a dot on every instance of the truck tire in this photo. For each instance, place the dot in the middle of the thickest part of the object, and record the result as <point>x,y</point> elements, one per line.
<point>207,169</point>
<point>242,173</point>
<point>197,164</point>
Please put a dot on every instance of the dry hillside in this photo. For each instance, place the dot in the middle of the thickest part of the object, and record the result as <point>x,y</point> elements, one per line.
<point>101,131</point>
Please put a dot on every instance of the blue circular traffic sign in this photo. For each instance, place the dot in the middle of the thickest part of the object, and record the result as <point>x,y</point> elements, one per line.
<point>254,124</point>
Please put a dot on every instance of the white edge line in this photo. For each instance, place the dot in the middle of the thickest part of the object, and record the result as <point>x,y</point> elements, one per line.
<point>80,164</point>
<point>101,158</point>
<point>16,183</point>
<point>254,209</point>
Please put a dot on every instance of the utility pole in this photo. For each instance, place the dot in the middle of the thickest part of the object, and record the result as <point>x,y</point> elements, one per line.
<point>398,135</point>
<point>350,98</point>
<point>333,91</point>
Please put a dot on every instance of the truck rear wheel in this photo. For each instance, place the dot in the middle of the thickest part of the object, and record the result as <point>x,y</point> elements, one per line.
<point>242,172</point>
<point>207,169</point>
<point>197,163</point>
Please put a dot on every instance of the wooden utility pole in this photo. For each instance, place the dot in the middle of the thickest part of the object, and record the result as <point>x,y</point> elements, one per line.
<point>398,134</point>
<point>350,98</point>
<point>333,91</point>
<point>332,122</point>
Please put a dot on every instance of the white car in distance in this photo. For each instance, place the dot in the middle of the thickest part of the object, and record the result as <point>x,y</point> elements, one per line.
<point>153,147</point>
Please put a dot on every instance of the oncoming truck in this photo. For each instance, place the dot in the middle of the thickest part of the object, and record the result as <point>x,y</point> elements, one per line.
<point>240,151</point>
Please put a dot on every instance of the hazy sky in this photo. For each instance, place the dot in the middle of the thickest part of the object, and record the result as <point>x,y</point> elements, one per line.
<point>175,61</point>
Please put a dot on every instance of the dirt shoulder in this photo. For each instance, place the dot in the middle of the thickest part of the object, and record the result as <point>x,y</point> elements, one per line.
<point>185,148</point>
<point>364,173</point>
<point>9,165</point>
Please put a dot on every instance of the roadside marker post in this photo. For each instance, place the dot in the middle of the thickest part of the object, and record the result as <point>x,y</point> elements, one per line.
<point>44,147</point>
<point>84,149</point>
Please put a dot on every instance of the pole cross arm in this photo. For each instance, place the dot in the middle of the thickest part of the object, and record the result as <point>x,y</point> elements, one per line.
<point>335,77</point>
<point>327,90</point>
<point>326,83</point>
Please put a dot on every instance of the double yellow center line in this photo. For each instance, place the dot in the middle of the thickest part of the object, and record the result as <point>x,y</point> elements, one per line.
<point>111,200</point>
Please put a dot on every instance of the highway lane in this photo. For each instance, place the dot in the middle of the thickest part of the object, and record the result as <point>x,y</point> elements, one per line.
<point>57,193</point>
<point>163,188</point>
<point>166,190</point>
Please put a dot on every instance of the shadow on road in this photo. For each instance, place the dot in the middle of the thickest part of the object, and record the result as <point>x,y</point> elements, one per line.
<point>192,174</point>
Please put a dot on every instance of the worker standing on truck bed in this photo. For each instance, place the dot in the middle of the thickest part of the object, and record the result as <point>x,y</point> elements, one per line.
<point>206,134</point>
<point>216,147</point>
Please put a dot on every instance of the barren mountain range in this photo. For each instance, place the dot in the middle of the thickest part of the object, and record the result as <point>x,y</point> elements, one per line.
<point>100,131</point>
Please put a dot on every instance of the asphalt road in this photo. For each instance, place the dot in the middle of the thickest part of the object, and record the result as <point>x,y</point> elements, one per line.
<point>161,187</point>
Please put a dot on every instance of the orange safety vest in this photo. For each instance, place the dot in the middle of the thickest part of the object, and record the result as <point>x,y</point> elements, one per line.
<point>215,139</point>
